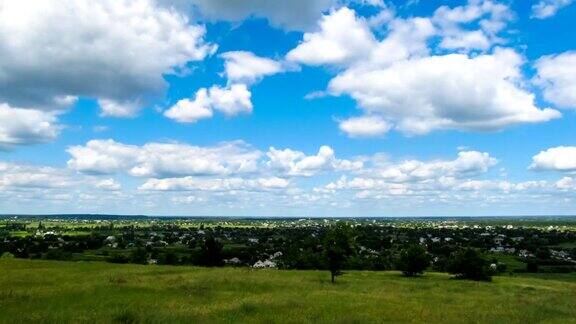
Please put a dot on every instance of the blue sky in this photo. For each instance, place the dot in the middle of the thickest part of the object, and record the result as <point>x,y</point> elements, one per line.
<point>303,108</point>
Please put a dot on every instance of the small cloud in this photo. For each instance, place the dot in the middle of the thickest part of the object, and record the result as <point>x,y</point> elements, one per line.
<point>315,95</point>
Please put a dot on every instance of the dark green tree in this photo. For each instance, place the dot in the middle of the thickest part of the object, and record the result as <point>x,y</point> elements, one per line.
<point>211,253</point>
<point>337,248</point>
<point>413,260</point>
<point>469,264</point>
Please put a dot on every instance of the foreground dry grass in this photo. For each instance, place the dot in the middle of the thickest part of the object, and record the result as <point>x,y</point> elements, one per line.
<point>61,292</point>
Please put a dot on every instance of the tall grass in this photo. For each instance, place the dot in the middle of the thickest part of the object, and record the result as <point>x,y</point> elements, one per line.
<point>61,292</point>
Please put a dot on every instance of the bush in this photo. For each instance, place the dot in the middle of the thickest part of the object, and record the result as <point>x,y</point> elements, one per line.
<point>139,255</point>
<point>169,257</point>
<point>469,264</point>
<point>118,258</point>
<point>413,261</point>
<point>7,255</point>
<point>56,254</point>
<point>532,266</point>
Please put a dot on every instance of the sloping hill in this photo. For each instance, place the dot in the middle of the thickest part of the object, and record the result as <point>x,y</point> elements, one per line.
<point>49,291</point>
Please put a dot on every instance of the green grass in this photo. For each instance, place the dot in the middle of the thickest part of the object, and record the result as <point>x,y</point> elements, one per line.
<point>512,262</point>
<point>63,292</point>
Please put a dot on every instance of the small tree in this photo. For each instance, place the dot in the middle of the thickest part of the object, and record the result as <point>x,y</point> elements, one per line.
<point>337,248</point>
<point>413,260</point>
<point>211,253</point>
<point>469,264</point>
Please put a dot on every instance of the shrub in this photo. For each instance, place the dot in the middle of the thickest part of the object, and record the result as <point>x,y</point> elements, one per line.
<point>169,257</point>
<point>7,255</point>
<point>469,264</point>
<point>118,258</point>
<point>139,255</point>
<point>56,254</point>
<point>413,261</point>
<point>532,266</point>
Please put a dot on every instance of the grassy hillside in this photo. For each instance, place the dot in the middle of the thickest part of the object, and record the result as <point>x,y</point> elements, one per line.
<point>49,291</point>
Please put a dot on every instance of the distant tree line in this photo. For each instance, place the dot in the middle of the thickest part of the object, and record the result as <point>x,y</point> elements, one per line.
<point>335,247</point>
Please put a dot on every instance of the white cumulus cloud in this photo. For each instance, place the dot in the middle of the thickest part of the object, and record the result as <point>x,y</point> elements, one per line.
<point>116,51</point>
<point>230,100</point>
<point>466,164</point>
<point>296,163</point>
<point>26,126</point>
<point>453,91</point>
<point>561,158</point>
<point>342,38</point>
<point>557,77</point>
<point>163,159</point>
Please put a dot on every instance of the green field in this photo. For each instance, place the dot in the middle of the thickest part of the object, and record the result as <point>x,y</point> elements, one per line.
<point>57,292</point>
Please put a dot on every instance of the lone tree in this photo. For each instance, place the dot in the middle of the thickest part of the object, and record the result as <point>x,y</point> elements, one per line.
<point>211,253</point>
<point>469,264</point>
<point>337,248</point>
<point>413,261</point>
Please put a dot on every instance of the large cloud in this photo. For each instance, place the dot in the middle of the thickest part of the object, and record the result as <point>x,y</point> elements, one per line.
<point>113,50</point>
<point>561,158</point>
<point>26,126</point>
<point>294,14</point>
<point>445,92</point>
<point>399,84</point>
<point>172,160</point>
<point>344,38</point>
<point>557,76</point>
<point>163,159</point>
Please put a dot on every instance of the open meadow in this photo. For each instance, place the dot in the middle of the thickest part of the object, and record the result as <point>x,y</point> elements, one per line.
<point>61,292</point>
